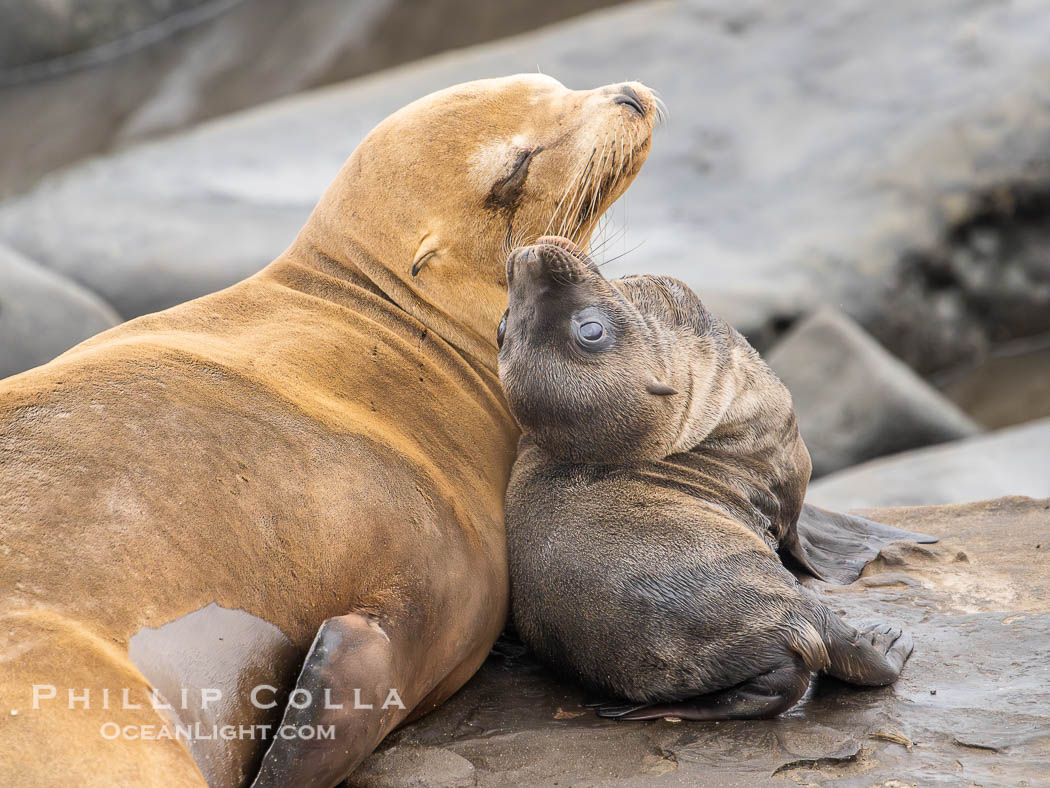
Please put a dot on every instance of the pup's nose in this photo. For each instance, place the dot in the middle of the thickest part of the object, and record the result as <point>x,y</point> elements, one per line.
<point>629,97</point>
<point>520,257</point>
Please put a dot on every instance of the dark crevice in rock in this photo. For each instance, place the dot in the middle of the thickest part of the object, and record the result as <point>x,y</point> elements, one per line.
<point>772,330</point>
<point>846,755</point>
<point>986,283</point>
<point>975,745</point>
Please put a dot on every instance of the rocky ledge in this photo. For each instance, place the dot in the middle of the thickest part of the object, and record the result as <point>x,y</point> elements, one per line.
<point>971,708</point>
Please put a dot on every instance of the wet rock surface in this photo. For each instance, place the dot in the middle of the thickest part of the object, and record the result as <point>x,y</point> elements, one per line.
<point>890,158</point>
<point>42,314</point>
<point>854,400</point>
<point>1011,461</point>
<point>972,706</point>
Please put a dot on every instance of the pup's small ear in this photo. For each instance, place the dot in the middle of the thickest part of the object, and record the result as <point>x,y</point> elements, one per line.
<point>659,388</point>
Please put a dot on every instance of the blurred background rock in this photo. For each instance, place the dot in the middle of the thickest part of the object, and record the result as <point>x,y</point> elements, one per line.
<point>82,76</point>
<point>862,188</point>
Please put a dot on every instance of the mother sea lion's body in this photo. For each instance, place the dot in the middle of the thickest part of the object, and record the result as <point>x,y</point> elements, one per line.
<point>317,455</point>
<point>660,473</point>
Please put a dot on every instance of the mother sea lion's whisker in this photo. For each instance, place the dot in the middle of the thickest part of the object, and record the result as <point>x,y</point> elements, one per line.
<point>598,181</point>
<point>576,207</point>
<point>557,207</point>
<point>575,211</point>
<point>602,233</point>
<point>608,240</point>
<point>622,254</point>
<point>662,113</point>
<point>602,181</point>
<point>623,156</point>
<point>629,159</point>
<point>570,210</point>
<point>568,190</point>
<point>631,149</point>
<point>587,204</point>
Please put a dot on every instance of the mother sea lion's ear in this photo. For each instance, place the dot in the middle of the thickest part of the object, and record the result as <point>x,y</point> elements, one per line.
<point>421,260</point>
<point>659,388</point>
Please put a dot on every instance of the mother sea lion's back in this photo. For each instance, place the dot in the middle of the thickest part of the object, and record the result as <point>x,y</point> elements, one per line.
<point>170,463</point>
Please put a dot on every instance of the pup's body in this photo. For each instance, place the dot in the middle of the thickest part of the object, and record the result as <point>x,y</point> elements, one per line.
<point>660,473</point>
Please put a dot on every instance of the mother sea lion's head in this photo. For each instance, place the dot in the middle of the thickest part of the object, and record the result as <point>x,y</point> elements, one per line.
<point>432,200</point>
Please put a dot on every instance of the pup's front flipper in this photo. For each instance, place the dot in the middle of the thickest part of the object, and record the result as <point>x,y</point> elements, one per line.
<point>835,547</point>
<point>766,695</point>
<point>345,681</point>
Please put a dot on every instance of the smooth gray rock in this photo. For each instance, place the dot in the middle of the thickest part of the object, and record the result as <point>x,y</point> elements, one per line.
<point>853,399</point>
<point>1013,461</point>
<point>888,157</point>
<point>80,77</point>
<point>43,314</point>
<point>972,706</point>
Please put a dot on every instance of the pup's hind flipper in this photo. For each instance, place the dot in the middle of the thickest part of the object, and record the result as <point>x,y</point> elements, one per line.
<point>761,697</point>
<point>835,547</point>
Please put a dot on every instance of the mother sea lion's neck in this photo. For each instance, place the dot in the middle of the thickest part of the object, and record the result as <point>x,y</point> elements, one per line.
<point>342,259</point>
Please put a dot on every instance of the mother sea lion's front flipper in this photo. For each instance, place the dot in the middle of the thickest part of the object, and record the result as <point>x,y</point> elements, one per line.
<point>345,688</point>
<point>836,547</point>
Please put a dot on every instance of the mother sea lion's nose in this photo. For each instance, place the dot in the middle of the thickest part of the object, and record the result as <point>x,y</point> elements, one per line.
<point>629,97</point>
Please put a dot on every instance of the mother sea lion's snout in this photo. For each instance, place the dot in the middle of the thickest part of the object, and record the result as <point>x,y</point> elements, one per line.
<point>629,97</point>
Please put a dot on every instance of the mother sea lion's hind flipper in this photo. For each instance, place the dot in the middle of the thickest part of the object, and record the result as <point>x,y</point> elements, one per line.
<point>766,695</point>
<point>348,674</point>
<point>835,547</point>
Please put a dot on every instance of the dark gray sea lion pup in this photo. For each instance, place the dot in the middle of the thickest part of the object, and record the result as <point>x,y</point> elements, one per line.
<point>659,479</point>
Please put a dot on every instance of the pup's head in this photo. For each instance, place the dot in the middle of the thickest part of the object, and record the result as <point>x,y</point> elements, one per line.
<point>586,363</point>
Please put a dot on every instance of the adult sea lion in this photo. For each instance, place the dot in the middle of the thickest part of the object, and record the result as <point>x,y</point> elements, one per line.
<point>660,471</point>
<point>316,455</point>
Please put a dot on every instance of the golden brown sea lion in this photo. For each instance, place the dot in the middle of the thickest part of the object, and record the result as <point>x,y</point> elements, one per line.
<point>316,455</point>
<point>660,471</point>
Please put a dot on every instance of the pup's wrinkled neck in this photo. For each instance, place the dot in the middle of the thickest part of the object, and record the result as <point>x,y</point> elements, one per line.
<point>756,415</point>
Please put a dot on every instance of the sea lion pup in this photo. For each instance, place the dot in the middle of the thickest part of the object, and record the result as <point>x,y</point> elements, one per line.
<point>301,475</point>
<point>659,472</point>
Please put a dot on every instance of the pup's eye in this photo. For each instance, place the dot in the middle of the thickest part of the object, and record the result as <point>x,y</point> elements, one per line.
<point>592,331</point>
<point>502,330</point>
